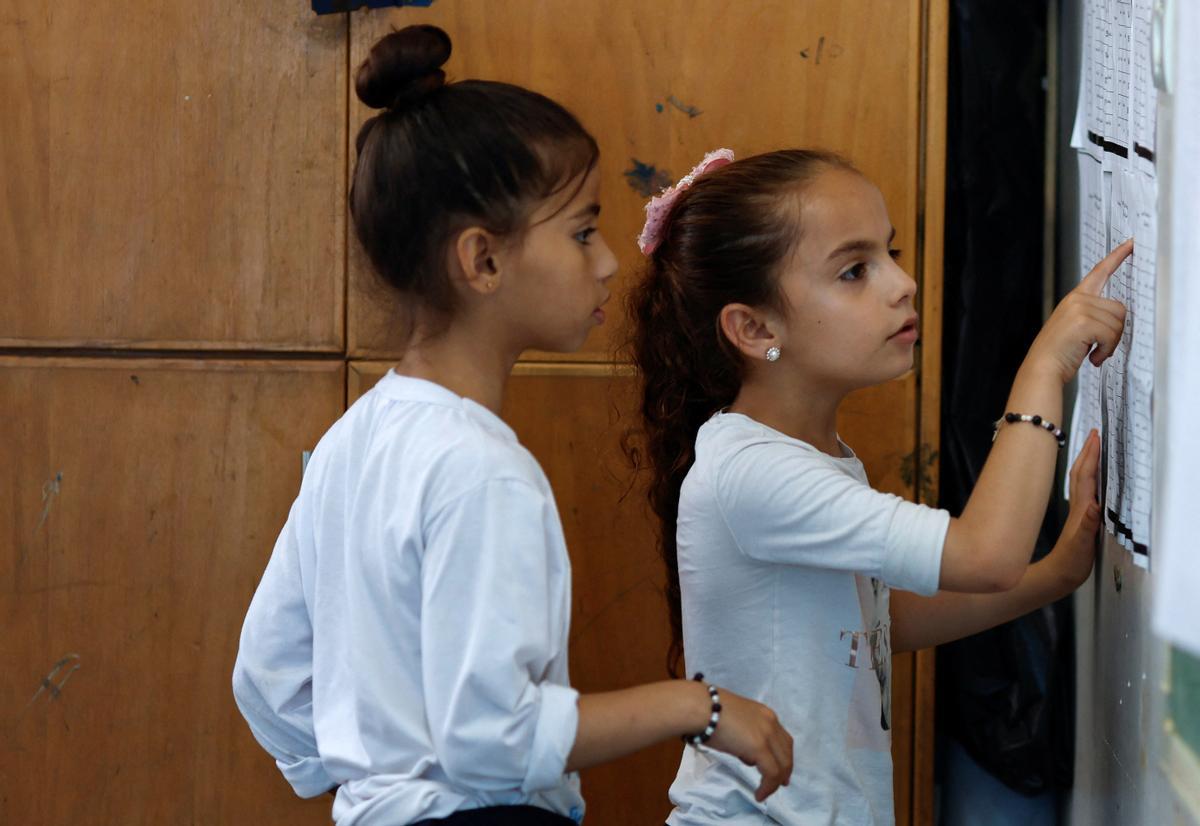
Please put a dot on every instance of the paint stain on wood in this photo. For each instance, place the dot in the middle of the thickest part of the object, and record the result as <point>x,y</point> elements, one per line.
<point>50,492</point>
<point>819,51</point>
<point>687,109</point>
<point>917,472</point>
<point>54,682</point>
<point>645,179</point>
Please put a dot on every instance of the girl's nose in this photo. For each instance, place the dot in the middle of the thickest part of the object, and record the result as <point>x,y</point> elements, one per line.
<point>606,262</point>
<point>905,288</point>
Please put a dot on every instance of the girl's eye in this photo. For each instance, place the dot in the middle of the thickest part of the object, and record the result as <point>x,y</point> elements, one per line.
<point>895,254</point>
<point>854,273</point>
<point>583,235</point>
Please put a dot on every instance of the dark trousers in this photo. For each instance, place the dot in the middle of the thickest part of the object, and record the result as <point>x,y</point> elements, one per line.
<point>500,816</point>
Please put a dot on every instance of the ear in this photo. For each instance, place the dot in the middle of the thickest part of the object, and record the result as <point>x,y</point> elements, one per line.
<point>748,329</point>
<point>477,253</point>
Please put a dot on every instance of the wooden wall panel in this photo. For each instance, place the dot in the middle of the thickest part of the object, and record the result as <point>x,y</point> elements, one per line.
<point>139,503</point>
<point>929,270</point>
<point>571,417</point>
<point>754,77</point>
<point>174,175</point>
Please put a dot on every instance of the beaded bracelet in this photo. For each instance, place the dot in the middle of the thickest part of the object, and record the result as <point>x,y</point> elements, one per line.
<point>1049,427</point>
<point>710,729</point>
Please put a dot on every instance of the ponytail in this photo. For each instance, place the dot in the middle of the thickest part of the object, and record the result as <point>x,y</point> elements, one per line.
<point>685,380</point>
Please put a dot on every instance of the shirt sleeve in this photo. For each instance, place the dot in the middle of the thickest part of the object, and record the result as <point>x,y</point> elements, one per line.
<point>272,677</point>
<point>489,617</point>
<point>786,506</point>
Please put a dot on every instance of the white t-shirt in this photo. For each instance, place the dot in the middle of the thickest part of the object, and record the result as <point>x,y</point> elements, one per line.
<point>785,558</point>
<point>408,641</point>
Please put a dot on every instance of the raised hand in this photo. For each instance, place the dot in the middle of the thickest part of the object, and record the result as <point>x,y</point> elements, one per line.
<point>1084,322</point>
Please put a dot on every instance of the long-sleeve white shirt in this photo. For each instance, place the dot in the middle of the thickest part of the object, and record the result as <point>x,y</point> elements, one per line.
<point>785,557</point>
<point>408,640</point>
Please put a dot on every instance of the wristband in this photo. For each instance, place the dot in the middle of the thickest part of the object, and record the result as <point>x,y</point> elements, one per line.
<point>713,720</point>
<point>1049,427</point>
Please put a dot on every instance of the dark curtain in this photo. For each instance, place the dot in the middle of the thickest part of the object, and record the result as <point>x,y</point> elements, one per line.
<point>1007,694</point>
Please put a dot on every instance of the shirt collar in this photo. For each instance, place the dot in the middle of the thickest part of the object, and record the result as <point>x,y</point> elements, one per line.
<point>410,389</point>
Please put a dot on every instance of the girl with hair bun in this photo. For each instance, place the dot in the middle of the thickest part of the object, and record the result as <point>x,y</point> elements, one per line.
<point>406,648</point>
<point>771,292</point>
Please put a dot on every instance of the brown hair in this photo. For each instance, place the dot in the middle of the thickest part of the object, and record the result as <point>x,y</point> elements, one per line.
<point>723,242</point>
<point>445,156</point>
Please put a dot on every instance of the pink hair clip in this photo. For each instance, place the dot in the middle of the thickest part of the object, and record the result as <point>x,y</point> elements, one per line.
<point>660,205</point>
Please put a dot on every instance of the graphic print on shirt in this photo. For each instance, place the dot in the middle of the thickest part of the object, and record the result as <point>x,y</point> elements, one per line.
<point>870,649</point>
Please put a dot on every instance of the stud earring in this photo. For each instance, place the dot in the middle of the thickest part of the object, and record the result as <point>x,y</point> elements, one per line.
<point>772,354</point>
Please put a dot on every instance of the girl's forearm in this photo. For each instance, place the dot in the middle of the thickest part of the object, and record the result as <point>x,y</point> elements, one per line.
<point>921,622</point>
<point>613,724</point>
<point>989,545</point>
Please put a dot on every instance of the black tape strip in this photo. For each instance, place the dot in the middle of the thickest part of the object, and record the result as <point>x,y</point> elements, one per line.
<point>338,6</point>
<point>1126,532</point>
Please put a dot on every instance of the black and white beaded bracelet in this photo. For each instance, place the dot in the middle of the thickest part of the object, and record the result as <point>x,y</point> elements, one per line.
<point>711,728</point>
<point>1049,427</point>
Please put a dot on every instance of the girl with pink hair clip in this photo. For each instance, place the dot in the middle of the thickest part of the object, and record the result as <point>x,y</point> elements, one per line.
<point>771,292</point>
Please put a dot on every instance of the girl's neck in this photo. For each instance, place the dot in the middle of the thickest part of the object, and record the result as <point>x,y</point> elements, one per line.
<point>463,362</point>
<point>805,413</point>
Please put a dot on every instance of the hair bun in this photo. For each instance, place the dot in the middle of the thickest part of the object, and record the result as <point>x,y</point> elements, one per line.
<point>403,67</point>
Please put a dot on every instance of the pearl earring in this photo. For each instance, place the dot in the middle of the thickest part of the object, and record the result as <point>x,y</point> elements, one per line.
<point>772,354</point>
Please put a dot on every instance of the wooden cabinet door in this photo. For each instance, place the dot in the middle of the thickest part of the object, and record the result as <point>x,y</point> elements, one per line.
<point>174,175</point>
<point>139,503</point>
